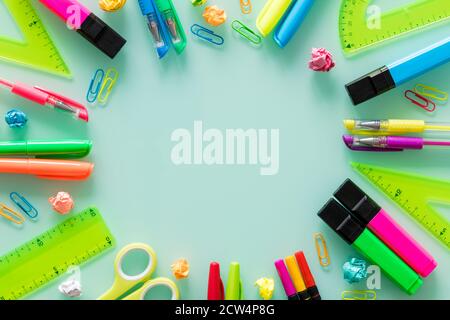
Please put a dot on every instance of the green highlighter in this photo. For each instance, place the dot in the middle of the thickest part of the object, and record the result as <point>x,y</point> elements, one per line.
<point>349,229</point>
<point>47,148</point>
<point>173,24</point>
<point>234,285</point>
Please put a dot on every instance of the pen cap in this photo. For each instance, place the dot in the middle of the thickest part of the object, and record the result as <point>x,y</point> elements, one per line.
<point>234,286</point>
<point>370,85</point>
<point>271,14</point>
<point>101,35</point>
<point>340,220</point>
<point>357,202</point>
<point>215,284</point>
<point>65,8</point>
<point>30,93</point>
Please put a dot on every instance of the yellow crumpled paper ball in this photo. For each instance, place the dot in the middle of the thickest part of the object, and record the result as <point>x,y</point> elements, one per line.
<point>111,5</point>
<point>266,287</point>
<point>214,15</point>
<point>180,268</point>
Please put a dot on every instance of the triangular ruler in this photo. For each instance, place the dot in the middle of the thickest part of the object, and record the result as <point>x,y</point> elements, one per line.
<point>362,25</point>
<point>38,50</point>
<point>414,193</point>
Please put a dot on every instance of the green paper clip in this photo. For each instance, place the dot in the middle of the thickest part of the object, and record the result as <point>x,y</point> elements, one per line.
<point>246,32</point>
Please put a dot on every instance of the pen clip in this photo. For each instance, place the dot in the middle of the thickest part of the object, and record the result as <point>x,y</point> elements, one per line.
<point>74,104</point>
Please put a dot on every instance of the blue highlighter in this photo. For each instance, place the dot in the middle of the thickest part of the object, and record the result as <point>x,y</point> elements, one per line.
<point>390,76</point>
<point>291,21</point>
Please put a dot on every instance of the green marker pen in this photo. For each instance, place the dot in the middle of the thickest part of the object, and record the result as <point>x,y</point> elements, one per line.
<point>173,24</point>
<point>47,148</point>
<point>349,229</point>
<point>234,284</point>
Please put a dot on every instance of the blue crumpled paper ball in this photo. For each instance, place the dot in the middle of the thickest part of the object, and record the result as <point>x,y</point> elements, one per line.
<point>355,270</point>
<point>16,118</point>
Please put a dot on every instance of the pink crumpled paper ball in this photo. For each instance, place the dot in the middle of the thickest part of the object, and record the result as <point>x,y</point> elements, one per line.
<point>321,60</point>
<point>62,202</point>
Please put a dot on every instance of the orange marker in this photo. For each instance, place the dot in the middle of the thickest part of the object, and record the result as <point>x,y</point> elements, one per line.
<point>296,277</point>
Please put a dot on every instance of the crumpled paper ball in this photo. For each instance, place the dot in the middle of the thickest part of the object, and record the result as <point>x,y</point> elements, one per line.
<point>266,287</point>
<point>111,5</point>
<point>16,118</point>
<point>214,15</point>
<point>70,288</point>
<point>321,60</point>
<point>355,270</point>
<point>180,268</point>
<point>62,202</point>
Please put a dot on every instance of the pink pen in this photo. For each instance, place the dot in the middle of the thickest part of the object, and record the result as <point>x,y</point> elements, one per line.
<point>285,278</point>
<point>381,224</point>
<point>390,143</point>
<point>48,98</point>
<point>91,27</point>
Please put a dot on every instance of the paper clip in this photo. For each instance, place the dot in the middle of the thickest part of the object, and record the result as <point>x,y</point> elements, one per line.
<point>421,101</point>
<point>24,205</point>
<point>431,92</point>
<point>11,215</point>
<point>246,32</point>
<point>207,34</point>
<point>94,86</point>
<point>108,84</point>
<point>359,295</point>
<point>246,6</point>
<point>322,250</point>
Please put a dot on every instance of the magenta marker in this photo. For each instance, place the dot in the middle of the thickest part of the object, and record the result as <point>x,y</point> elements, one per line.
<point>381,224</point>
<point>286,280</point>
<point>91,27</point>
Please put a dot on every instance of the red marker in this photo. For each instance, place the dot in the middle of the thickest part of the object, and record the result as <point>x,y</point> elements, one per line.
<point>307,276</point>
<point>215,284</point>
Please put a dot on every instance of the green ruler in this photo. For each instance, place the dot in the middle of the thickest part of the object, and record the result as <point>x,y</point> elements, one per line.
<point>413,193</point>
<point>49,255</point>
<point>360,26</point>
<point>38,50</point>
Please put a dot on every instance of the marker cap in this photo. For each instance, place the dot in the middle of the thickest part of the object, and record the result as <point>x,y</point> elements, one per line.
<point>312,290</point>
<point>357,202</point>
<point>215,284</point>
<point>234,286</point>
<point>340,220</point>
<point>370,85</point>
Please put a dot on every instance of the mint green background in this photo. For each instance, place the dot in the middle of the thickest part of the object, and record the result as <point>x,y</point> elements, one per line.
<point>222,213</point>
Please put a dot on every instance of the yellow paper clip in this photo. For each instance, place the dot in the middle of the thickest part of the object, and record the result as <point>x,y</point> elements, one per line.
<point>246,6</point>
<point>359,295</point>
<point>246,32</point>
<point>11,215</point>
<point>108,84</point>
<point>322,250</point>
<point>431,92</point>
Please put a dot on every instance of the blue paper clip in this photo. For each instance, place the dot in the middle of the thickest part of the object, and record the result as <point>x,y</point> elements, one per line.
<point>24,205</point>
<point>207,35</point>
<point>94,86</point>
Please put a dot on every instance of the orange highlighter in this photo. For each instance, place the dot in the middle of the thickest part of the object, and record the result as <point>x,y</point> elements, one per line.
<point>47,169</point>
<point>297,278</point>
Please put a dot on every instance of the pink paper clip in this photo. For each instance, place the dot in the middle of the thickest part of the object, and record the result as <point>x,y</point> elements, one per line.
<point>420,101</point>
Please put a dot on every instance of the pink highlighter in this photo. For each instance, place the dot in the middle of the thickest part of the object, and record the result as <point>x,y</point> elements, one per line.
<point>370,214</point>
<point>91,27</point>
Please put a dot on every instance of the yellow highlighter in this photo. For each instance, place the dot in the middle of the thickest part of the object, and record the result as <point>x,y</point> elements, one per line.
<point>393,126</point>
<point>271,14</point>
<point>296,276</point>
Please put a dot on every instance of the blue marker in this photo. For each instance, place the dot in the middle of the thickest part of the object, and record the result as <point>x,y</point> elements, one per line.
<point>292,21</point>
<point>156,26</point>
<point>397,73</point>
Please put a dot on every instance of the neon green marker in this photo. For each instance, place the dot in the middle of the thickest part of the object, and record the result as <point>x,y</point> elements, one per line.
<point>349,229</point>
<point>173,24</point>
<point>234,284</point>
<point>47,148</point>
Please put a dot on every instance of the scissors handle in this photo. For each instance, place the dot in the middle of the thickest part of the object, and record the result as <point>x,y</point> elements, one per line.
<point>149,285</point>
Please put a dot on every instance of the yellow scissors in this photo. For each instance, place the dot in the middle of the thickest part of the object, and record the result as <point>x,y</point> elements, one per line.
<point>124,282</point>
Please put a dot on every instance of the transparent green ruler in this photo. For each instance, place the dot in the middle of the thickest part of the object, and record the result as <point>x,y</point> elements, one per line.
<point>38,50</point>
<point>49,255</point>
<point>414,193</point>
<point>361,25</point>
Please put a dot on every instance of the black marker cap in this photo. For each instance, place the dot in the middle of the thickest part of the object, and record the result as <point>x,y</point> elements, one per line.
<point>340,220</point>
<point>101,35</point>
<point>357,202</point>
<point>314,293</point>
<point>304,295</point>
<point>370,85</point>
